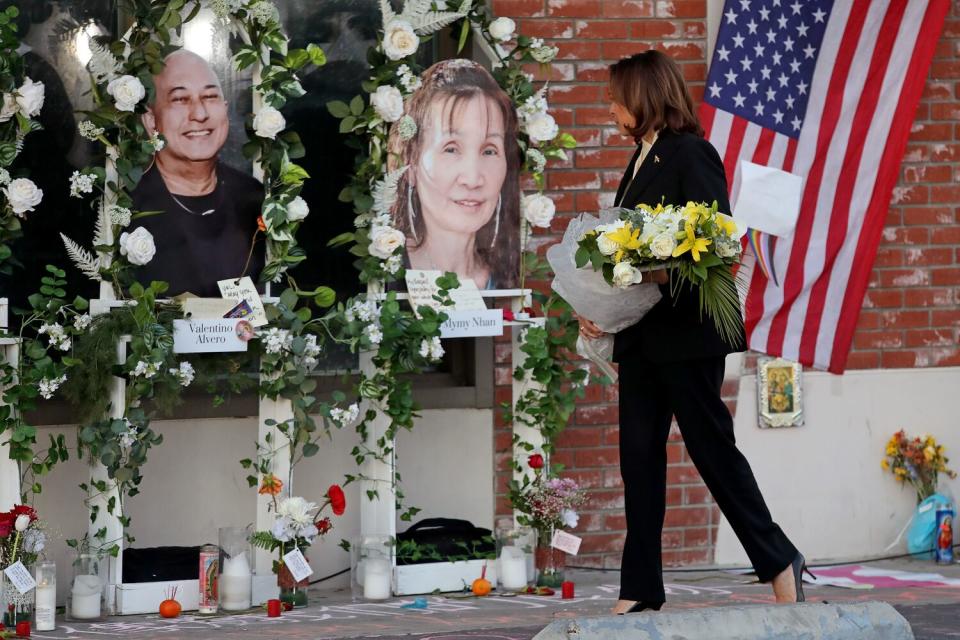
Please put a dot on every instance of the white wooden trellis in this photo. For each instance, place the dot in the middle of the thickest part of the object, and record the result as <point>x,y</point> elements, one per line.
<point>9,469</point>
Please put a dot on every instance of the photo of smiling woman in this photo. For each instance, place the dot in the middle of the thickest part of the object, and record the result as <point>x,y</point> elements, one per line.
<point>458,202</point>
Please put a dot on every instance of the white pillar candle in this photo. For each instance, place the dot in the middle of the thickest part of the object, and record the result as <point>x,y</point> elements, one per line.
<point>85,597</point>
<point>236,583</point>
<point>513,568</point>
<point>376,579</point>
<point>46,607</point>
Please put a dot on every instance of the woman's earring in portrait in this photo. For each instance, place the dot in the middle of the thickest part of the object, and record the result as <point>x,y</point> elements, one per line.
<point>410,213</point>
<point>496,226</point>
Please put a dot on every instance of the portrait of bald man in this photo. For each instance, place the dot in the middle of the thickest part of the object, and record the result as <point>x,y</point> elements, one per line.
<point>207,230</point>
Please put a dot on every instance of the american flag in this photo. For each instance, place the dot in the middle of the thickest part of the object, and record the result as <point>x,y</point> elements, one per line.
<point>825,90</point>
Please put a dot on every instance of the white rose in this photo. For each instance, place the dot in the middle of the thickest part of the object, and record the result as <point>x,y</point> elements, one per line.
<point>138,246</point>
<point>538,209</point>
<point>22,522</point>
<point>502,29</point>
<point>9,108</point>
<point>387,101</point>
<point>23,195</point>
<point>30,97</point>
<point>297,209</point>
<point>606,246</point>
<point>268,123</point>
<point>663,245</point>
<point>127,92</point>
<point>399,39</point>
<point>541,127</point>
<point>625,275</point>
<point>384,241</point>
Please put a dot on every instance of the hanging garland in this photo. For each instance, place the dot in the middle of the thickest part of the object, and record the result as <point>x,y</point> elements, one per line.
<point>379,245</point>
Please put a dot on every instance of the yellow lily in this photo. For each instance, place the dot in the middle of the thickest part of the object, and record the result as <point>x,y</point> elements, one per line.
<point>692,243</point>
<point>727,224</point>
<point>627,239</point>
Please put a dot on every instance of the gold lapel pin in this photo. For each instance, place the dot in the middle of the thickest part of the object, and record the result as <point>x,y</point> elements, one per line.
<point>656,159</point>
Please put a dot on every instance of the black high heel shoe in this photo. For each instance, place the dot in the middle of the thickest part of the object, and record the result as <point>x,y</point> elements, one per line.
<point>799,566</point>
<point>643,605</point>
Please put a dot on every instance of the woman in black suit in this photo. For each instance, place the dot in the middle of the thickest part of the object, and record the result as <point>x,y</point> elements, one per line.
<point>672,361</point>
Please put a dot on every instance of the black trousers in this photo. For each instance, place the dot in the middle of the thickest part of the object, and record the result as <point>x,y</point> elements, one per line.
<point>650,394</point>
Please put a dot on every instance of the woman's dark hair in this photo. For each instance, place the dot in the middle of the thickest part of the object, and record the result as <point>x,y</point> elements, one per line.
<point>651,87</point>
<point>454,83</point>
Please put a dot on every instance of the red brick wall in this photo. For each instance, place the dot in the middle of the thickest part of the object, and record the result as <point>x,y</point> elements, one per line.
<point>911,316</point>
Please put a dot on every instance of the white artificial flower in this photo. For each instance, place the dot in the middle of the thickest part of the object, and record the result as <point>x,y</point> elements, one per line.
<point>385,240</point>
<point>81,183</point>
<point>89,130</point>
<point>662,246</point>
<point>541,127</point>
<point>373,333</point>
<point>138,246</point>
<point>605,245</point>
<point>23,195</point>
<point>225,8</point>
<point>9,108</point>
<point>311,352</point>
<point>103,66</point>
<point>48,387</point>
<point>297,510</point>
<point>157,142</point>
<point>81,322</point>
<point>544,54</point>
<point>276,340</point>
<point>4,176</point>
<point>538,209</point>
<point>34,541</point>
<point>129,437</point>
<point>365,311</point>
<point>127,92</point>
<point>393,264</point>
<point>536,160</point>
<point>30,98</point>
<point>624,275</point>
<point>21,523</point>
<point>184,373</point>
<point>569,518</point>
<point>503,29</point>
<point>268,122</point>
<point>297,209</point>
<point>727,247</point>
<point>399,39</point>
<point>431,349</point>
<point>408,80</point>
<point>345,417</point>
<point>264,12</point>
<point>119,215</point>
<point>387,101</point>
<point>145,369</point>
<point>407,128</point>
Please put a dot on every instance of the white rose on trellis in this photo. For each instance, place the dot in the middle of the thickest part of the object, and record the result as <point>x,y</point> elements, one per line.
<point>127,92</point>
<point>662,245</point>
<point>138,246</point>
<point>276,340</point>
<point>23,195</point>
<point>503,29</point>
<point>385,240</point>
<point>297,209</point>
<point>387,101</point>
<point>363,310</point>
<point>9,108</point>
<point>625,274</point>
<point>268,123</point>
<point>399,39</point>
<point>538,210</point>
<point>541,127</point>
<point>30,97</point>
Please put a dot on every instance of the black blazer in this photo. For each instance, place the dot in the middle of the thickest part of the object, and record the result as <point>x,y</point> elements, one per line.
<point>680,167</point>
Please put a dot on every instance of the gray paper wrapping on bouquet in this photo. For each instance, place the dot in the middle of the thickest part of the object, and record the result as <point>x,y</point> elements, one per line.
<point>612,308</point>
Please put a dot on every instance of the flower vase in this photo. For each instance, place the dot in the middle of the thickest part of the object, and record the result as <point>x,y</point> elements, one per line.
<point>549,562</point>
<point>17,607</point>
<point>292,592</point>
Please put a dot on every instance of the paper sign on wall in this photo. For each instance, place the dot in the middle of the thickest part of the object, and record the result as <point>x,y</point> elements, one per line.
<point>297,564</point>
<point>238,289</point>
<point>207,336</point>
<point>20,577</point>
<point>463,324</point>
<point>768,200</point>
<point>566,542</point>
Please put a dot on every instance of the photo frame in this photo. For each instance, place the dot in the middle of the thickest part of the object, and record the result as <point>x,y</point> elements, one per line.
<point>779,393</point>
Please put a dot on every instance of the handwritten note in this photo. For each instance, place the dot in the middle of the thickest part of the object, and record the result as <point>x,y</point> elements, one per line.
<point>20,577</point>
<point>238,289</point>
<point>566,542</point>
<point>297,564</point>
<point>422,287</point>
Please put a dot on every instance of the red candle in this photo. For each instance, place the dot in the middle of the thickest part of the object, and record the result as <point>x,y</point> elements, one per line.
<point>23,628</point>
<point>566,590</point>
<point>273,608</point>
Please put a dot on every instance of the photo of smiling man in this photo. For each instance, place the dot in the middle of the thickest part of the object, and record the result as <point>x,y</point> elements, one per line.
<point>207,230</point>
<point>458,201</point>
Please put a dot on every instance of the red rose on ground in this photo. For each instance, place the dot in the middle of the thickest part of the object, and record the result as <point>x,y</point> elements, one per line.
<point>338,501</point>
<point>535,461</point>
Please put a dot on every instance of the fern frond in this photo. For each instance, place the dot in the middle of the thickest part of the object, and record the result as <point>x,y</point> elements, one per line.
<point>434,21</point>
<point>387,11</point>
<point>101,226</point>
<point>84,260</point>
<point>413,9</point>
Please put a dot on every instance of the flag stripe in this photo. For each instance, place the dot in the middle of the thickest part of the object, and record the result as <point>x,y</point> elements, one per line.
<point>896,141</point>
<point>734,142</point>
<point>847,178</point>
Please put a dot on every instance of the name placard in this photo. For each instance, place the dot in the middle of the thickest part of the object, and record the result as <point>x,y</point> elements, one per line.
<point>471,323</point>
<point>207,336</point>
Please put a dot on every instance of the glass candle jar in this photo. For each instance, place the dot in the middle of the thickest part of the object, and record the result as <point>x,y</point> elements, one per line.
<point>515,547</point>
<point>86,601</point>
<point>45,609</point>
<point>236,576</point>
<point>371,567</point>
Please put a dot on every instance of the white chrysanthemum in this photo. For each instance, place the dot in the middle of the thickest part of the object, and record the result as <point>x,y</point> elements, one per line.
<point>103,66</point>
<point>89,130</point>
<point>81,183</point>
<point>297,510</point>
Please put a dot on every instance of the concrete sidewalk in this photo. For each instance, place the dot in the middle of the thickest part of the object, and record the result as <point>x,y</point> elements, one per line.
<point>931,609</point>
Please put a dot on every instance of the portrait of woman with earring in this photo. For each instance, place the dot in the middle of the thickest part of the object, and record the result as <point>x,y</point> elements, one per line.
<point>458,200</point>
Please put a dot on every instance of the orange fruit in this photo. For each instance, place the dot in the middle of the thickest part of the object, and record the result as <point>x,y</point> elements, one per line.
<point>169,609</point>
<point>481,587</point>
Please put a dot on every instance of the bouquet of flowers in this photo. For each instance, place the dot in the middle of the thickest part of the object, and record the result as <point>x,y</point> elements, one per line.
<point>918,460</point>
<point>22,536</point>
<point>696,242</point>
<point>546,503</point>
